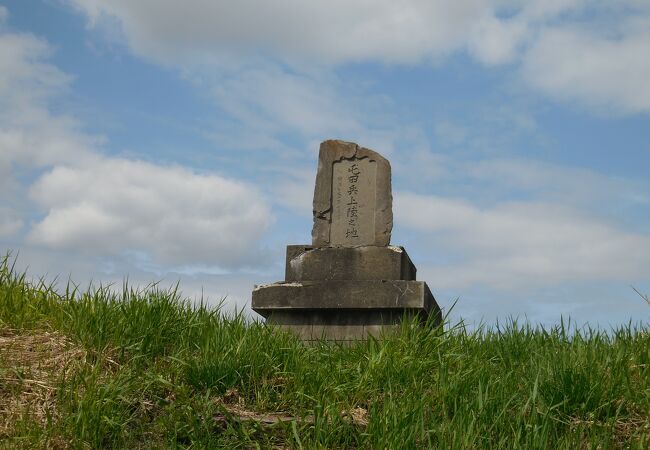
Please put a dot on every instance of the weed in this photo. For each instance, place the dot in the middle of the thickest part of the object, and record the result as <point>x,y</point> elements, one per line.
<point>143,368</point>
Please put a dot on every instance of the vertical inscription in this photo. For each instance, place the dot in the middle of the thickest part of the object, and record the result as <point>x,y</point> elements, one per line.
<point>353,202</point>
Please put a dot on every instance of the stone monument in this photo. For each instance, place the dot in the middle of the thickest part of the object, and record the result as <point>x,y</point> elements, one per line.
<point>350,283</point>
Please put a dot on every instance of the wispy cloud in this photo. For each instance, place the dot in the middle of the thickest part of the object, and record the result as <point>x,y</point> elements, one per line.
<point>511,245</point>
<point>600,69</point>
<point>170,214</point>
<point>278,77</point>
<point>548,41</point>
<point>84,202</point>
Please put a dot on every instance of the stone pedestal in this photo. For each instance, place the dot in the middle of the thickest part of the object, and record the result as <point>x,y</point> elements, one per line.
<point>345,294</point>
<point>350,283</point>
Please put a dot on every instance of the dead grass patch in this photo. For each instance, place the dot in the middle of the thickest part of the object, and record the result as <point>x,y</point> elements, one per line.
<point>233,408</point>
<point>31,363</point>
<point>633,428</point>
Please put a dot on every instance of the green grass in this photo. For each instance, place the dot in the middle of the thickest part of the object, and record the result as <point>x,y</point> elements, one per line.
<point>145,369</point>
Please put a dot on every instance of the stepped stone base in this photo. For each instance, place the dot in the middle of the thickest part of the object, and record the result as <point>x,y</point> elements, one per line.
<point>345,294</point>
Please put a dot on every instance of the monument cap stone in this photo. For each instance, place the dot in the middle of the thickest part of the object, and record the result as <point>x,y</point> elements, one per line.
<point>352,198</point>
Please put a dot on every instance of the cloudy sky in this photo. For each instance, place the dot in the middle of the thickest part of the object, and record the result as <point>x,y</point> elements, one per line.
<point>177,140</point>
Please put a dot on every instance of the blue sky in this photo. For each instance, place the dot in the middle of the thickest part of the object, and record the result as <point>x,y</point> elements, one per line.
<point>178,140</point>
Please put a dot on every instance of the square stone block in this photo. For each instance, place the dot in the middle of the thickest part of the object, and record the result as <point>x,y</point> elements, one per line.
<point>306,263</point>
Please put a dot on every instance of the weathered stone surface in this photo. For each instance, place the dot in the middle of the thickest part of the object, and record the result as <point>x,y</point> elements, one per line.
<point>308,263</point>
<point>344,295</point>
<point>352,198</point>
<point>337,325</point>
<point>297,323</point>
<point>349,284</point>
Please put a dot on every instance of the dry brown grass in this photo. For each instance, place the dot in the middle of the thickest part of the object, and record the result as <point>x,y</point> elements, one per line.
<point>233,405</point>
<point>31,363</point>
<point>624,431</point>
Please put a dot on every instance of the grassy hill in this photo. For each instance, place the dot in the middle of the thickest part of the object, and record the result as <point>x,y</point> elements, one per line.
<point>145,369</point>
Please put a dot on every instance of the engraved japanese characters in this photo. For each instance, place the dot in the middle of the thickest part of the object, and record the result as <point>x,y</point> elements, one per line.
<point>352,198</point>
<point>353,201</point>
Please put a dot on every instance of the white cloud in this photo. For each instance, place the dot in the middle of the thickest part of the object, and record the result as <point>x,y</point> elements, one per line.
<point>450,133</point>
<point>10,223</point>
<point>139,215</point>
<point>269,100</point>
<point>30,136</point>
<point>331,32</point>
<point>21,65</point>
<point>496,41</point>
<point>295,191</point>
<point>559,184</point>
<point>514,245</point>
<point>171,214</point>
<point>97,205</point>
<point>547,39</point>
<point>600,71</point>
<point>59,267</point>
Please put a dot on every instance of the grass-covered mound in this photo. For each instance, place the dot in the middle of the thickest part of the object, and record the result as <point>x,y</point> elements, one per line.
<point>145,369</point>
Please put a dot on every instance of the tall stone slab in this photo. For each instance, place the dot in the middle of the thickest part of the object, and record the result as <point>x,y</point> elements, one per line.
<point>353,203</point>
<point>350,283</point>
